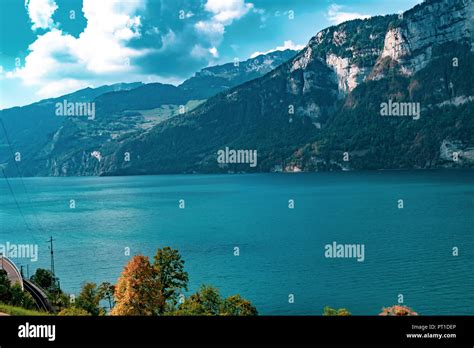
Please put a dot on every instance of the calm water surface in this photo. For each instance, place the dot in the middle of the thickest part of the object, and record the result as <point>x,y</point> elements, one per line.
<point>407,251</point>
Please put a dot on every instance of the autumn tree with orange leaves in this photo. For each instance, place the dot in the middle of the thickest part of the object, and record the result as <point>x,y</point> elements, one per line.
<point>138,290</point>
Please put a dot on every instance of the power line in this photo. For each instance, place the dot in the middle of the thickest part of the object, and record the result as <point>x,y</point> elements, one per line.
<point>20,173</point>
<point>16,203</point>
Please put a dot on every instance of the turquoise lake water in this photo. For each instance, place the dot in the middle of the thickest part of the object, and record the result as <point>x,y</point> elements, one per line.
<point>408,251</point>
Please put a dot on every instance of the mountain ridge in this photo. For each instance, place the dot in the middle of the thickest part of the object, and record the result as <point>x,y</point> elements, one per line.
<point>317,111</point>
<point>51,145</point>
<point>320,90</point>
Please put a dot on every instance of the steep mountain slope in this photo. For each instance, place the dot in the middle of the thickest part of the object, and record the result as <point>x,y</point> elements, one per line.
<point>52,145</point>
<point>336,87</point>
<point>251,116</point>
<point>445,125</point>
<point>29,127</point>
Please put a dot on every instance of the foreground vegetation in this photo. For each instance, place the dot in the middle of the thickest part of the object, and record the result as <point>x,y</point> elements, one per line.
<point>144,288</point>
<point>396,310</point>
<point>19,311</point>
<point>12,295</point>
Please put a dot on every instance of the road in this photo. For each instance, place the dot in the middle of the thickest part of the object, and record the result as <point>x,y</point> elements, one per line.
<point>39,296</point>
<point>15,277</point>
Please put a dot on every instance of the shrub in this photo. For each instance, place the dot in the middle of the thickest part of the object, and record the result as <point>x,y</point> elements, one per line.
<point>398,310</point>
<point>74,311</point>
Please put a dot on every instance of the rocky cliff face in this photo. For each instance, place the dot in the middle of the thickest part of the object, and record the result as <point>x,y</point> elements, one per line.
<point>432,23</point>
<point>350,49</point>
<point>358,50</point>
<point>349,76</point>
<point>411,42</point>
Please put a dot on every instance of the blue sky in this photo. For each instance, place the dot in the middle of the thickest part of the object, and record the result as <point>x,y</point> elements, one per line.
<point>53,47</point>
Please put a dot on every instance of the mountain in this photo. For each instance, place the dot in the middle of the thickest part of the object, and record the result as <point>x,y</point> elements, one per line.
<point>212,80</point>
<point>52,145</point>
<point>204,84</point>
<point>90,94</point>
<point>29,127</point>
<point>322,110</point>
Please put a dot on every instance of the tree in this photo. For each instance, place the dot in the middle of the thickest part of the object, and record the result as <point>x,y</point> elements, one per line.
<point>208,301</point>
<point>62,300</point>
<point>237,306</point>
<point>43,278</point>
<point>5,294</point>
<point>20,298</point>
<point>14,294</point>
<point>169,267</point>
<point>106,292</point>
<point>89,299</point>
<point>137,291</point>
<point>341,312</point>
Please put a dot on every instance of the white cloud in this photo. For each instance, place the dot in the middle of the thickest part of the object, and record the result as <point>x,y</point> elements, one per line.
<point>212,30</point>
<point>287,45</point>
<point>224,12</point>
<point>41,12</point>
<point>337,15</point>
<point>60,63</point>
<point>200,52</point>
<point>214,52</point>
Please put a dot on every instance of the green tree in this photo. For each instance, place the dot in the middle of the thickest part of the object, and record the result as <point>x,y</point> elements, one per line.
<point>43,278</point>
<point>341,312</point>
<point>106,292</point>
<point>169,267</point>
<point>5,294</point>
<point>20,298</point>
<point>206,301</point>
<point>62,301</point>
<point>89,299</point>
<point>237,306</point>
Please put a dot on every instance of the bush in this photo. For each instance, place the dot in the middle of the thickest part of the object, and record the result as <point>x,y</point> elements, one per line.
<point>398,310</point>
<point>341,312</point>
<point>21,298</point>
<point>74,311</point>
<point>208,301</point>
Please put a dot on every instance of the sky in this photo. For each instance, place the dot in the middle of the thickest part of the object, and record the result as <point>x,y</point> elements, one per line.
<point>52,47</point>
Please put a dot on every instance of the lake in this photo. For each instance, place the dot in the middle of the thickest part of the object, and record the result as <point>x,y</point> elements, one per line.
<point>408,223</point>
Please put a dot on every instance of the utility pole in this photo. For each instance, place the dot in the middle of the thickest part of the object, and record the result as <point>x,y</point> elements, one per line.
<point>50,241</point>
<point>27,271</point>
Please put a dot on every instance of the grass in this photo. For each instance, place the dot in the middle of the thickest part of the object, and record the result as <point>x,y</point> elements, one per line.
<point>18,311</point>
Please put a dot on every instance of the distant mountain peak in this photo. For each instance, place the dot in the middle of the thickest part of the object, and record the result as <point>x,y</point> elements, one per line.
<point>215,79</point>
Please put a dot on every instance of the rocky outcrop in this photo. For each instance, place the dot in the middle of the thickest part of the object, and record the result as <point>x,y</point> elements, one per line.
<point>455,152</point>
<point>430,24</point>
<point>349,76</point>
<point>406,40</point>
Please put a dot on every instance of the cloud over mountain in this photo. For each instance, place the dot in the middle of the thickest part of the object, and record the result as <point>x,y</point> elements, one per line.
<point>41,12</point>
